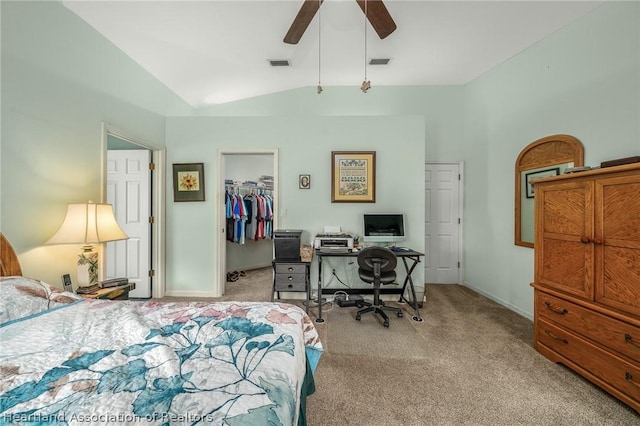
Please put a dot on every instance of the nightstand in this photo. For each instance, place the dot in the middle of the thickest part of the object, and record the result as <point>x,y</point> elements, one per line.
<point>120,292</point>
<point>291,275</point>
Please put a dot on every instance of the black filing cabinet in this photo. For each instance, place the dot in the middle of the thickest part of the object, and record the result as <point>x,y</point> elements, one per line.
<point>291,275</point>
<point>286,243</point>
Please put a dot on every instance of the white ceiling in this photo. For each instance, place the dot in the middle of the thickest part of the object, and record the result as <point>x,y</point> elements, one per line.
<point>217,51</point>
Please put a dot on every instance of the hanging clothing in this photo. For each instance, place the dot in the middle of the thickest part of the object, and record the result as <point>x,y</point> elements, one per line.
<point>251,201</point>
<point>228,204</point>
<point>264,217</point>
<point>248,217</point>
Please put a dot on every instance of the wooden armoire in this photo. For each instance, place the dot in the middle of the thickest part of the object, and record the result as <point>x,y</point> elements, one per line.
<point>587,276</point>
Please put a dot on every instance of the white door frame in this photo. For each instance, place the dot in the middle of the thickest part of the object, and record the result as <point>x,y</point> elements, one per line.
<point>158,203</point>
<point>461,211</point>
<point>220,234</point>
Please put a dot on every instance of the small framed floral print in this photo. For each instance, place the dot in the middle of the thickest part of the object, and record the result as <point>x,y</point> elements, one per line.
<point>188,182</point>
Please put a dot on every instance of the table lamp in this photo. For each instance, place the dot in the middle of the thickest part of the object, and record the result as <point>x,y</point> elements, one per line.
<point>88,224</point>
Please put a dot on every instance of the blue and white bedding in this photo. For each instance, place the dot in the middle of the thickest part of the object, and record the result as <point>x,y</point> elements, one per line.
<point>22,297</point>
<point>66,360</point>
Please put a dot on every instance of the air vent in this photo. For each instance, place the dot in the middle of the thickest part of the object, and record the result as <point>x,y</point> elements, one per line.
<point>279,62</point>
<point>379,61</point>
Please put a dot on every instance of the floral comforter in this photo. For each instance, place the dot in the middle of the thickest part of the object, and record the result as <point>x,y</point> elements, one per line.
<point>113,362</point>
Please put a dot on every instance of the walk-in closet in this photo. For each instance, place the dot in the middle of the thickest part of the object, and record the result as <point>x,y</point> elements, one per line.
<point>249,212</point>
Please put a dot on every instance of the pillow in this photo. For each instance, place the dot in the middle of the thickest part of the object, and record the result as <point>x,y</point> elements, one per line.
<point>21,297</point>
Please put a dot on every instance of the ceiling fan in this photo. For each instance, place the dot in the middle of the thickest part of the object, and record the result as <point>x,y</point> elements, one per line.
<point>375,10</point>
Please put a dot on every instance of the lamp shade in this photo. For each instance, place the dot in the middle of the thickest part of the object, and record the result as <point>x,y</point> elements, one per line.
<point>88,224</point>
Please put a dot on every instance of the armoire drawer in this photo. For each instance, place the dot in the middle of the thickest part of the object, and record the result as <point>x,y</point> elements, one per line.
<point>290,268</point>
<point>612,333</point>
<point>622,375</point>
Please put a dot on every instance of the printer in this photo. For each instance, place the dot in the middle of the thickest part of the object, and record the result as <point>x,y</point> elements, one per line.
<point>338,242</point>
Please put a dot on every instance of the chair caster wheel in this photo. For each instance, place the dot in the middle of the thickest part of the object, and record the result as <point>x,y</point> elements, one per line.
<point>399,314</point>
<point>386,324</point>
<point>357,317</point>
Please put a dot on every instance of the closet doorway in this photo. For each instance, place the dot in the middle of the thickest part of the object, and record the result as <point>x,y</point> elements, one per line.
<point>238,170</point>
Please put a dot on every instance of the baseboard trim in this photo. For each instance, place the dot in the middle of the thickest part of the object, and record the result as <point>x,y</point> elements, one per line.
<point>179,293</point>
<point>249,267</point>
<point>504,303</point>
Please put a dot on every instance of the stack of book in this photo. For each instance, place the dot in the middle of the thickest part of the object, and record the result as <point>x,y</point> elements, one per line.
<point>114,282</point>
<point>88,290</point>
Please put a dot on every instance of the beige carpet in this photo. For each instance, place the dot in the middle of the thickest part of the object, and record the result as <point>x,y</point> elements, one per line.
<point>475,366</point>
<point>369,337</point>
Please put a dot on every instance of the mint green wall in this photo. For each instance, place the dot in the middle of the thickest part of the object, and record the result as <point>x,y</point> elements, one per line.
<point>584,81</point>
<point>305,127</point>
<point>440,106</point>
<point>304,145</point>
<point>60,81</point>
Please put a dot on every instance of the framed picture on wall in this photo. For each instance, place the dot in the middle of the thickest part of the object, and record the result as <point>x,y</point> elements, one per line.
<point>353,176</point>
<point>188,182</point>
<point>554,171</point>
<point>304,181</point>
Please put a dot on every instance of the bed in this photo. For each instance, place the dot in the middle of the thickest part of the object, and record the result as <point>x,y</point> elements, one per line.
<point>68,360</point>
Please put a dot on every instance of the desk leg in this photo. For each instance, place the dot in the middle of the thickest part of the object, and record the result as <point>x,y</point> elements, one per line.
<point>409,280</point>
<point>273,288</point>
<point>307,285</point>
<point>319,319</point>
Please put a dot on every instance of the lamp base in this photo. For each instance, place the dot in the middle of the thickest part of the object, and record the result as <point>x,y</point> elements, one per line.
<point>87,268</point>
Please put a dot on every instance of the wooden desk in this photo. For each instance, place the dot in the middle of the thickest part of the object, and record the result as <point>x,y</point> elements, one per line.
<point>120,292</point>
<point>406,255</point>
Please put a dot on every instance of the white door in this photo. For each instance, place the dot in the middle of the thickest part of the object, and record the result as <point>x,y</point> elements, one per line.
<point>129,190</point>
<point>442,223</point>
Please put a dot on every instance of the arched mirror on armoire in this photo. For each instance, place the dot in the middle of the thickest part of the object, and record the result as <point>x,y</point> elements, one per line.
<point>549,156</point>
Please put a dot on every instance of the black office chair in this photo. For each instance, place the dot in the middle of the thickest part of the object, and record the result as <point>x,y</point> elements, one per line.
<point>377,266</point>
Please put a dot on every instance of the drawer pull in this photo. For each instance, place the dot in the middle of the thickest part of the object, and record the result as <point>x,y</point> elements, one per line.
<point>587,240</point>
<point>290,269</point>
<point>629,377</point>
<point>557,311</point>
<point>629,339</point>
<point>290,278</point>
<point>553,336</point>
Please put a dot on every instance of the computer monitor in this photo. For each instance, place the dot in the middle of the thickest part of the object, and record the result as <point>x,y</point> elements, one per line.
<point>383,228</point>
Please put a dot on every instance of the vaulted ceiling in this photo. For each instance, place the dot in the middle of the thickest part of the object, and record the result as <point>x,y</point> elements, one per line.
<point>217,51</point>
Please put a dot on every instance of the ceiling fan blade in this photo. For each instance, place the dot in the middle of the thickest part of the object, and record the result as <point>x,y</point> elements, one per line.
<point>378,16</point>
<point>302,20</point>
